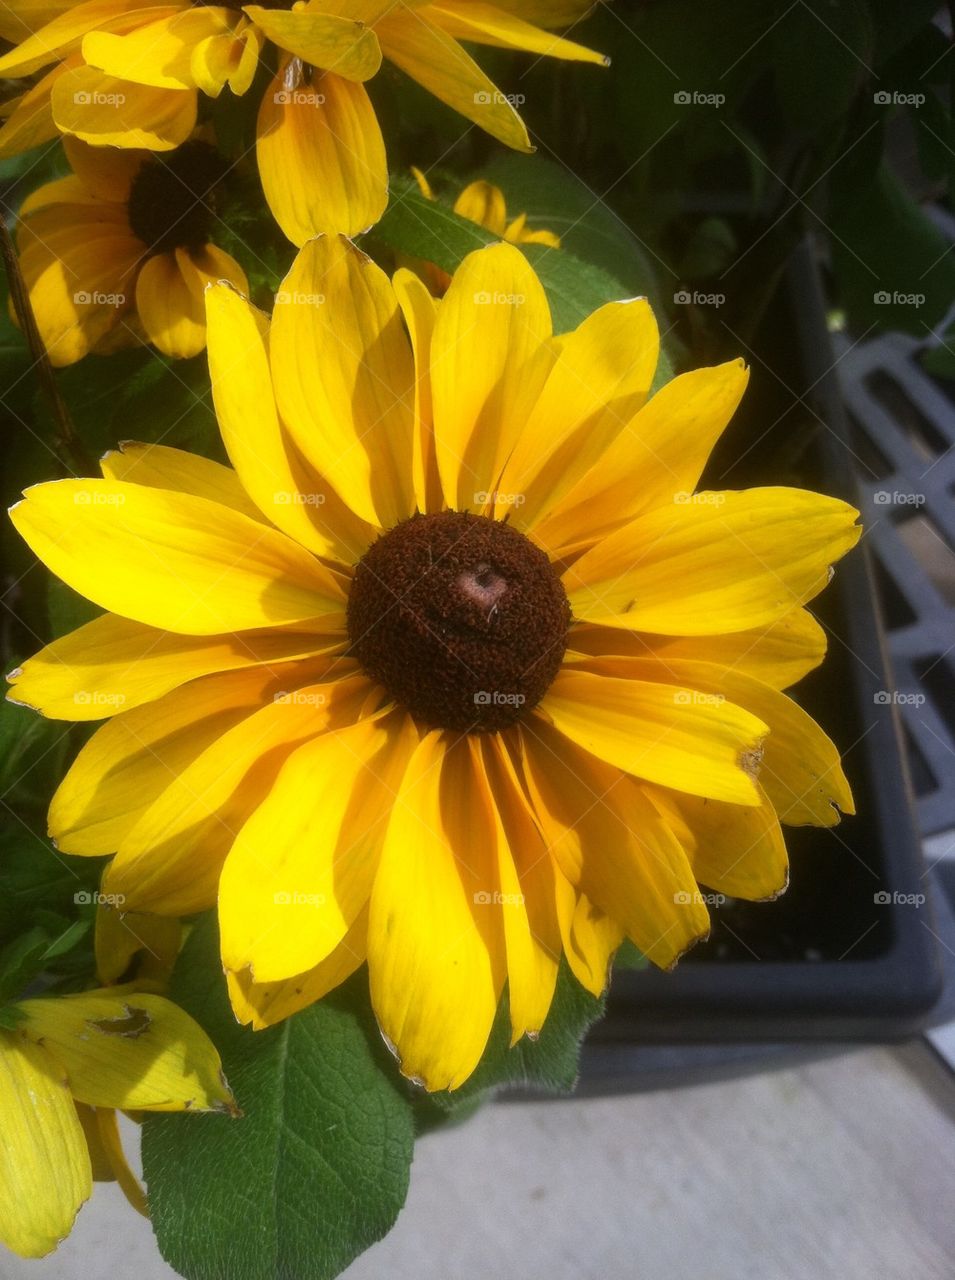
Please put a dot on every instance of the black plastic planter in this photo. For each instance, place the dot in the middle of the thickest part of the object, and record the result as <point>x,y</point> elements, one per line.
<point>849,952</point>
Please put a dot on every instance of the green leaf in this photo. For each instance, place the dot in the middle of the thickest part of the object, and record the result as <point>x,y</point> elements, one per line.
<point>315,1170</point>
<point>548,1064</point>
<point>557,200</point>
<point>629,957</point>
<point>893,268</point>
<point>420,228</point>
<point>835,45</point>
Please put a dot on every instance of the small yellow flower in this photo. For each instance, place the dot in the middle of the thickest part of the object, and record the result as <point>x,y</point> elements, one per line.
<point>126,77</point>
<point>69,1065</point>
<point>483,203</point>
<point>122,250</point>
<point>456,671</point>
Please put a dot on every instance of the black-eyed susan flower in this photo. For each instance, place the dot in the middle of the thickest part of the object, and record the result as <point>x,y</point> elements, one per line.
<point>67,1064</point>
<point>121,250</point>
<point>137,71</point>
<point>456,671</point>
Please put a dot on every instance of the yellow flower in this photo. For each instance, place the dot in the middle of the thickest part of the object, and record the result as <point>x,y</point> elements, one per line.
<point>483,203</point>
<point>69,1065</point>
<point>455,672</point>
<point>121,250</point>
<point>130,78</point>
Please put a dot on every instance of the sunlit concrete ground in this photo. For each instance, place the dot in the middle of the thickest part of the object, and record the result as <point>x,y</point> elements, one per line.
<point>842,1169</point>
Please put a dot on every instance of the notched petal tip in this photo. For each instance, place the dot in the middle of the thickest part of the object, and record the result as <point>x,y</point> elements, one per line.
<point>700,937</point>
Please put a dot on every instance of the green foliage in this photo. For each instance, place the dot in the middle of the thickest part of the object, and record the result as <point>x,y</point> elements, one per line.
<point>314,1171</point>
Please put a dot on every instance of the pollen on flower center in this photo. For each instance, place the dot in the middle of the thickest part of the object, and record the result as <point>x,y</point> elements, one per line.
<point>172,198</point>
<point>461,618</point>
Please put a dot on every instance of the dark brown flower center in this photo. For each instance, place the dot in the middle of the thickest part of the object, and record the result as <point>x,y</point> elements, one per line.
<point>172,201</point>
<point>461,618</point>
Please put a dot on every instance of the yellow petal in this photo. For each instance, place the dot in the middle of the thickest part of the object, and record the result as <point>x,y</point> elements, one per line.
<point>62,33</point>
<point>122,936</point>
<point>655,458</point>
<point>420,311</point>
<point>108,112</point>
<point>263,1004</point>
<point>798,766</point>
<point>321,156</point>
<point>528,896</point>
<point>170,861</point>
<point>659,732</point>
<point>483,203</point>
<point>112,665</point>
<point>601,377</point>
<point>29,119</point>
<point>489,359</point>
<point>590,941</point>
<point>107,1128</point>
<point>291,494</point>
<point>608,839</point>
<point>348,48</point>
<point>79,263</point>
<point>302,867</point>
<point>343,375</point>
<point>160,467</point>
<point>106,173</point>
<point>717,563</point>
<point>45,1172</point>
<point>131,760</point>
<point>439,64</point>
<point>486,24</point>
<point>129,1050</point>
<point>171,315</point>
<point>437,951</point>
<point>779,653</point>
<point>172,560</point>
<point>734,849</point>
<point>160,53</point>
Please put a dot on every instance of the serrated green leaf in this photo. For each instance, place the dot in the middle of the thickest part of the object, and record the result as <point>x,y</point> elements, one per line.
<point>315,1170</point>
